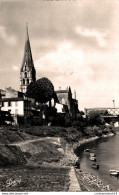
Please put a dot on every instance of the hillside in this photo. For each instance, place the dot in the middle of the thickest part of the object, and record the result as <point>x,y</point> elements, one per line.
<point>35,163</point>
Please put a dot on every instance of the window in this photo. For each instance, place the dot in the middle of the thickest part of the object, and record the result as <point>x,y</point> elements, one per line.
<point>23,81</point>
<point>16,103</point>
<point>9,103</point>
<point>2,104</point>
<point>28,81</point>
<point>63,101</point>
<point>25,74</point>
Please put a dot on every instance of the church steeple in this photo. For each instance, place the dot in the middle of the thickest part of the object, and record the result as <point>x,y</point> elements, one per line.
<point>27,72</point>
<point>27,34</point>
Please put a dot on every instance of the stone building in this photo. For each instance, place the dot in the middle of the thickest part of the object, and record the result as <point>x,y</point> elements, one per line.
<point>65,98</point>
<point>27,71</point>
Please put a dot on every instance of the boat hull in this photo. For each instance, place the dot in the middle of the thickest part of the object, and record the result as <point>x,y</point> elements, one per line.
<point>95,166</point>
<point>92,158</point>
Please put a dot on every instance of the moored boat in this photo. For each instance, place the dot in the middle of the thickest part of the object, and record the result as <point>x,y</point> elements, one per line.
<point>95,166</point>
<point>114,172</point>
<point>92,154</point>
<point>93,158</point>
<point>87,150</point>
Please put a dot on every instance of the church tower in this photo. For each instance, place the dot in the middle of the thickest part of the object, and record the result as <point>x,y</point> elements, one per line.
<point>27,71</point>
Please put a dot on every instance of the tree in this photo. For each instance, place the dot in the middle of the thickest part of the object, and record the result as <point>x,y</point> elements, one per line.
<point>41,90</point>
<point>94,118</point>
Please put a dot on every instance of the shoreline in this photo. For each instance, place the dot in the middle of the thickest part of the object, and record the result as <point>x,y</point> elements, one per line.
<point>91,139</point>
<point>88,181</point>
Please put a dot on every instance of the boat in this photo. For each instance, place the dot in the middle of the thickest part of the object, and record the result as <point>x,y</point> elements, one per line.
<point>87,150</point>
<point>92,154</point>
<point>93,158</point>
<point>114,172</point>
<point>95,166</point>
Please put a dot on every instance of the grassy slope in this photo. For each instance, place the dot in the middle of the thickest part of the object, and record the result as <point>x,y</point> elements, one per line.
<point>43,170</point>
<point>35,179</point>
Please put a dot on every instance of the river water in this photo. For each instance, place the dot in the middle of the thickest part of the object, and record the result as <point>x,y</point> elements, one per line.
<point>107,156</point>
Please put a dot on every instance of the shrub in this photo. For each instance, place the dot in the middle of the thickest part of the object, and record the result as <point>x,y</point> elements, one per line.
<point>94,118</point>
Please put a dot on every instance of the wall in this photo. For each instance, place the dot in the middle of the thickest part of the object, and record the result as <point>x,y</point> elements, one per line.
<point>10,93</point>
<point>16,107</point>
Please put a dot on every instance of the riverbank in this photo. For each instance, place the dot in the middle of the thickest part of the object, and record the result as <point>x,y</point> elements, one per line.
<point>87,180</point>
<point>90,182</point>
<point>91,139</point>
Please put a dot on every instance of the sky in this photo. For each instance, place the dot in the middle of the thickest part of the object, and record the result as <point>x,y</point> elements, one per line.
<point>74,43</point>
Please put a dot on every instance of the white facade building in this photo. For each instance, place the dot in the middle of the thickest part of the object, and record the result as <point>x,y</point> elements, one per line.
<point>61,108</point>
<point>16,106</point>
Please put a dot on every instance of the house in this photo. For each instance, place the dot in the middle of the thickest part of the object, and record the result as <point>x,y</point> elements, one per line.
<point>12,93</point>
<point>17,104</point>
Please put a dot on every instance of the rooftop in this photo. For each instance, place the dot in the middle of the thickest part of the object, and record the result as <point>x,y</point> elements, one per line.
<point>13,99</point>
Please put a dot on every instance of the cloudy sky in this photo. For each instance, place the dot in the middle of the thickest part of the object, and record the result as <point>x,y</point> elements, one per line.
<point>74,43</point>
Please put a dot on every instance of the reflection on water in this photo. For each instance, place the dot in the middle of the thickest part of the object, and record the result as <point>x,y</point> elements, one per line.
<point>107,156</point>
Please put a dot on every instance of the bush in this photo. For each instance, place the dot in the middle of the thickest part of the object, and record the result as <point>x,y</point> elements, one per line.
<point>94,118</point>
<point>97,131</point>
<point>89,131</point>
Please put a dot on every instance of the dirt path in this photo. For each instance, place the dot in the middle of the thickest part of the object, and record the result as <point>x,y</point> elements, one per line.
<point>74,184</point>
<point>54,139</point>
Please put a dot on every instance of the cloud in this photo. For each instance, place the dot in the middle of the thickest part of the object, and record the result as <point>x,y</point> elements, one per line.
<point>7,38</point>
<point>65,60</point>
<point>92,74</point>
<point>93,33</point>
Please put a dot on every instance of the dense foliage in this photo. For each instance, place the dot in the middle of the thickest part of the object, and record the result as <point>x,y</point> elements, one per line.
<point>41,90</point>
<point>94,118</point>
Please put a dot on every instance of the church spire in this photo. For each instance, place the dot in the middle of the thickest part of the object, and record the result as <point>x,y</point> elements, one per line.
<point>27,34</point>
<point>27,72</point>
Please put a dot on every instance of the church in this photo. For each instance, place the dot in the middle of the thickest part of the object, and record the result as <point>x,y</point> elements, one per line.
<point>18,104</point>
